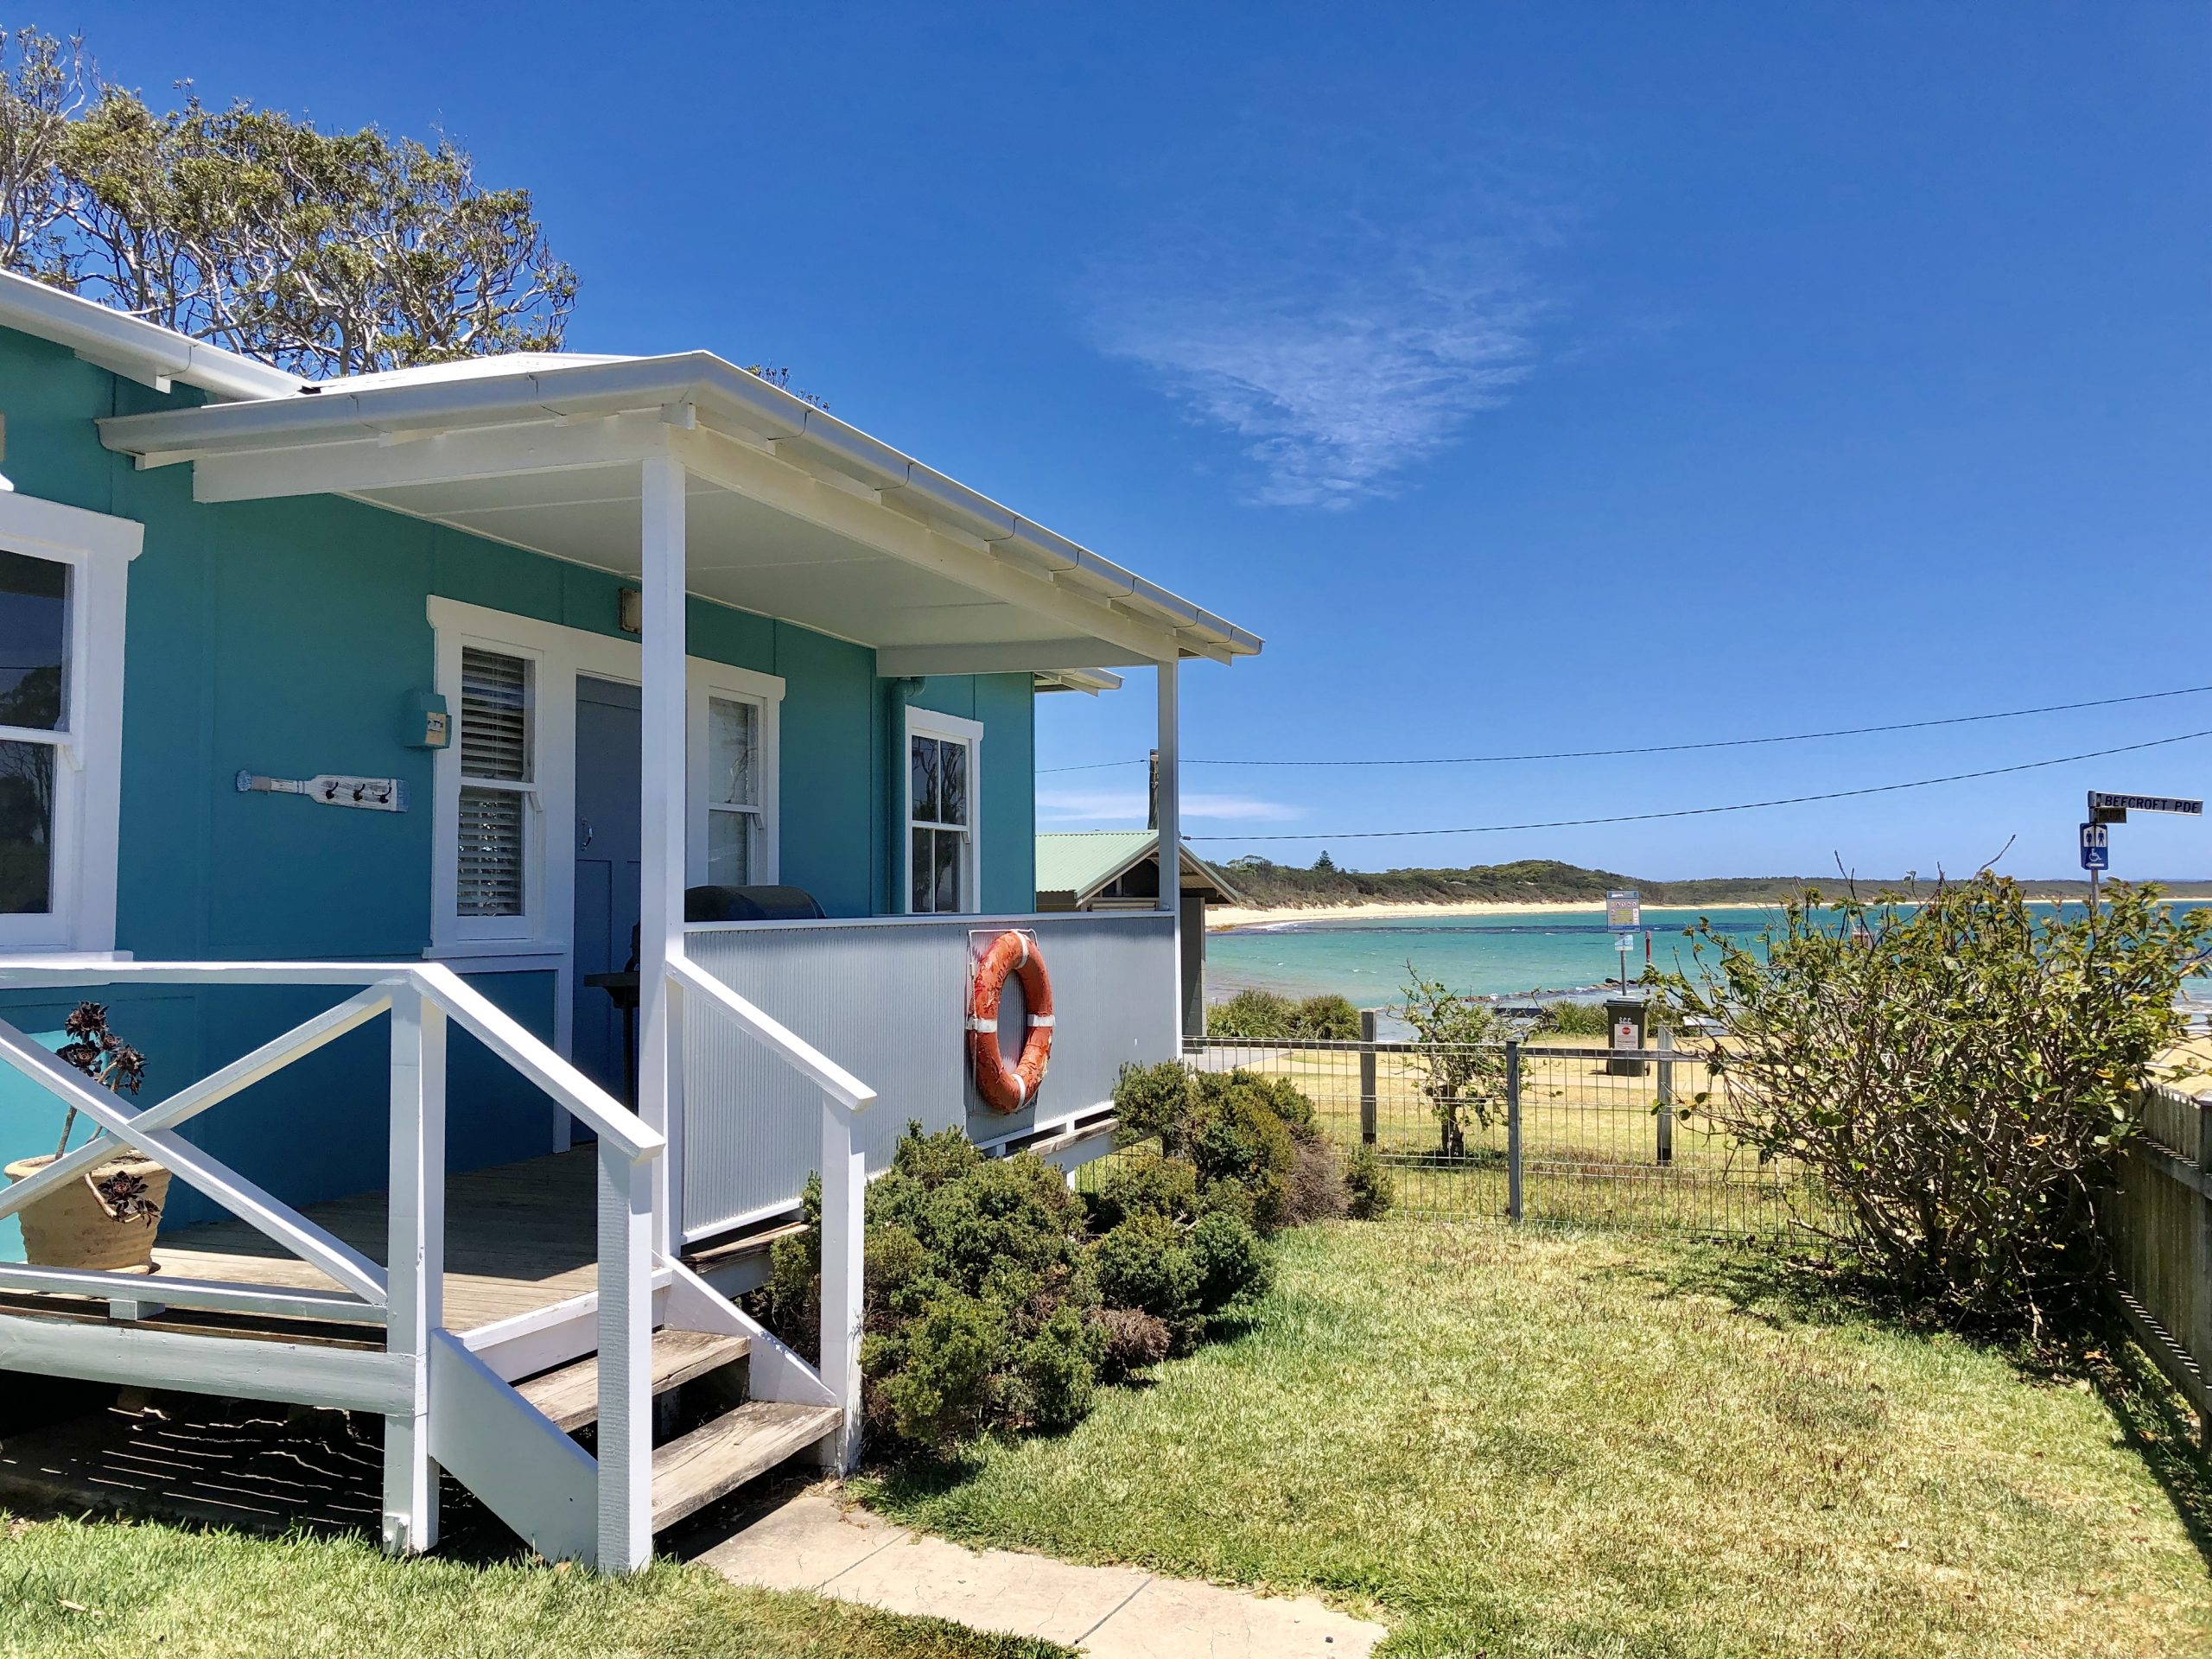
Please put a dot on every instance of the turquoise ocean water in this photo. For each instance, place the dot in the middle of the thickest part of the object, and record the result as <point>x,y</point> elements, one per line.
<point>1567,954</point>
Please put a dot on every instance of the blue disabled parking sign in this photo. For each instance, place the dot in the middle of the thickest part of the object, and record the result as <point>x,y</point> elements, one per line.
<point>2096,854</point>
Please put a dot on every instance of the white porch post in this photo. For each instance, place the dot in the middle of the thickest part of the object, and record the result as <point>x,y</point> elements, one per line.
<point>660,900</point>
<point>416,1262</point>
<point>1170,848</point>
<point>844,1199</point>
<point>626,1337</point>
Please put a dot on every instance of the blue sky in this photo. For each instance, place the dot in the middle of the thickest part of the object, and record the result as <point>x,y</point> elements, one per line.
<point>1531,377</point>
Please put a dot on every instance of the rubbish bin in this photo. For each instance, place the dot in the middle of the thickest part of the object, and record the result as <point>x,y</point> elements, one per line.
<point>1628,1023</point>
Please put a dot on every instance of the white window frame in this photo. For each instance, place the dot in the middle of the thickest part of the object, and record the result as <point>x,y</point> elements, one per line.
<point>704,682</point>
<point>927,722</point>
<point>561,655</point>
<point>88,772</point>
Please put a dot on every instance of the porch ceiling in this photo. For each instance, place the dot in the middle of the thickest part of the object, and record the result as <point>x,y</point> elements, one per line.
<point>789,513</point>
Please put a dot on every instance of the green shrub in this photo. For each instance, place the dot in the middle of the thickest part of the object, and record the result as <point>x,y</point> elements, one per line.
<point>1141,1181</point>
<point>1145,1263</point>
<point>1575,1018</point>
<point>1369,1184</point>
<point>1233,1267</point>
<point>1958,1073</point>
<point>1460,1061</point>
<point>940,1374</point>
<point>1057,1373</point>
<point>1269,1017</point>
<point>1151,1102</point>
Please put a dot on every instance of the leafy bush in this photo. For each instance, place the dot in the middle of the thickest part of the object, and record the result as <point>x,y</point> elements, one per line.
<point>1368,1184</point>
<point>1460,1060</point>
<point>1141,1181</point>
<point>1575,1018</point>
<point>996,1299</point>
<point>1270,1017</point>
<point>1957,1074</point>
<point>1233,1267</point>
<point>1145,1263</point>
<point>1058,1370</point>
<point>938,1378</point>
<point>1251,1143</point>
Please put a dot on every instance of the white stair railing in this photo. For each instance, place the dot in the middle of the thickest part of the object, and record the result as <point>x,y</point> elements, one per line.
<point>407,1296</point>
<point>844,1189</point>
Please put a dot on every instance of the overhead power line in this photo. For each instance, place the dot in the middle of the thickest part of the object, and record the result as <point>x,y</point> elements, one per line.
<point>1671,748</point>
<point>1738,806</point>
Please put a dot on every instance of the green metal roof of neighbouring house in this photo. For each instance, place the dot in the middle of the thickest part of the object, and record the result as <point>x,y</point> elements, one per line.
<point>1074,865</point>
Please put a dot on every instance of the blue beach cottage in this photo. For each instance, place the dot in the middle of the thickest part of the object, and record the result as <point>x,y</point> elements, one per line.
<point>532,813</point>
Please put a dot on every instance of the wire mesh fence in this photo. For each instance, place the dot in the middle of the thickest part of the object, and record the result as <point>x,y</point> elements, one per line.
<point>1555,1131</point>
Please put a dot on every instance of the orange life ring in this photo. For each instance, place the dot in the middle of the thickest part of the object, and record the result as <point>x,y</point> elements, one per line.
<point>1009,1088</point>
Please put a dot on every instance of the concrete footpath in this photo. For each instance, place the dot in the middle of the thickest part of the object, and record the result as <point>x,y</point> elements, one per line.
<point>1108,1612</point>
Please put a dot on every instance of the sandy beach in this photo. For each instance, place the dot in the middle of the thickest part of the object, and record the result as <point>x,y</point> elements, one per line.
<point>1220,918</point>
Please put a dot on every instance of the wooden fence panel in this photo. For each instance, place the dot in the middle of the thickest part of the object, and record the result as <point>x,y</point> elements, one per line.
<point>2162,1240</point>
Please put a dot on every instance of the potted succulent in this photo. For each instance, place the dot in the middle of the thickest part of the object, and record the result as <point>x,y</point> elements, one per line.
<point>107,1219</point>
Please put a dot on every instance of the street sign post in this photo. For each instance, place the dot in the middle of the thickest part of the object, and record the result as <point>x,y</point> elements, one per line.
<point>1623,915</point>
<point>2106,810</point>
<point>2124,804</point>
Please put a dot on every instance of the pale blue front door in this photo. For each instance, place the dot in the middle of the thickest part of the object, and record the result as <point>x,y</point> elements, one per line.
<point>609,846</point>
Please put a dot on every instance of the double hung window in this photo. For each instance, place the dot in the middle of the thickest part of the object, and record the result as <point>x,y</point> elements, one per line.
<point>943,861</point>
<point>64,574</point>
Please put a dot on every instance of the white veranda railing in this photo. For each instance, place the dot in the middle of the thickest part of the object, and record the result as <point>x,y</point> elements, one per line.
<point>567,1501</point>
<point>407,1298</point>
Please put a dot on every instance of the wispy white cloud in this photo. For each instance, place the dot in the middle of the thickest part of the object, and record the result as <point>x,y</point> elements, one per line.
<point>1339,286</point>
<point>1338,386</point>
<point>1129,806</point>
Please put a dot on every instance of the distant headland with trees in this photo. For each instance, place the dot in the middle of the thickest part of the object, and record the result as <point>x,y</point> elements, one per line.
<point>1265,885</point>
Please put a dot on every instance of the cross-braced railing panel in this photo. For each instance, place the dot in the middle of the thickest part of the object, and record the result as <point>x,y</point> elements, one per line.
<point>407,1295</point>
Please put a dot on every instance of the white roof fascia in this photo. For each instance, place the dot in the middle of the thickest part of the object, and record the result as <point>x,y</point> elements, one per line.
<point>141,351</point>
<point>1090,680</point>
<point>739,404</point>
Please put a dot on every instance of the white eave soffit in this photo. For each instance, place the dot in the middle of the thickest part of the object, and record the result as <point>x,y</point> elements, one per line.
<point>679,392</point>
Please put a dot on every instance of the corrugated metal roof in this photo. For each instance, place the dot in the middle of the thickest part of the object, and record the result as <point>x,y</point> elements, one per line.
<point>1078,862</point>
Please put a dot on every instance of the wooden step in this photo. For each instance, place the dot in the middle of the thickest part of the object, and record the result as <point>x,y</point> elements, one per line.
<point>570,1395</point>
<point>716,1460</point>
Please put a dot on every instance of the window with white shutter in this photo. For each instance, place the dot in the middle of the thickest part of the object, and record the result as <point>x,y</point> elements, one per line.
<point>503,863</point>
<point>496,742</point>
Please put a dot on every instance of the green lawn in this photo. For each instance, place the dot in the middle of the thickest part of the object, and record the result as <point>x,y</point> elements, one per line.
<point>69,1588</point>
<point>1555,1443</point>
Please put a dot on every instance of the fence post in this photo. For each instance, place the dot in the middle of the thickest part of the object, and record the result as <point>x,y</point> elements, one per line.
<point>1666,1094</point>
<point>415,1259</point>
<point>1367,1077</point>
<point>1513,1128</point>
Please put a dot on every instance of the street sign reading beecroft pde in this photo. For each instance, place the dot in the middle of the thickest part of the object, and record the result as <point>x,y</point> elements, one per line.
<point>2144,804</point>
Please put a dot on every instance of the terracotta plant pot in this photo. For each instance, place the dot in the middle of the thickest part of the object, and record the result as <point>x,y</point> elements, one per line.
<point>72,1226</point>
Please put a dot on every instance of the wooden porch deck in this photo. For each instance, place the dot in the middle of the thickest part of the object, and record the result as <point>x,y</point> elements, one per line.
<point>518,1237</point>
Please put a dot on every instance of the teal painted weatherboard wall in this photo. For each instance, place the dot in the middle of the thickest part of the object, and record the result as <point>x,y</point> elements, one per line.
<point>280,636</point>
